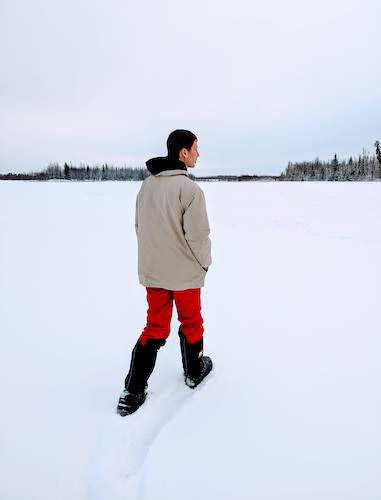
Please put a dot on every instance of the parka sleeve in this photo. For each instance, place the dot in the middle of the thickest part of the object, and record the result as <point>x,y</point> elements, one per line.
<point>196,228</point>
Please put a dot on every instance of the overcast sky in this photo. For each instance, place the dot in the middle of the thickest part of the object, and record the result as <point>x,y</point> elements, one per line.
<point>259,83</point>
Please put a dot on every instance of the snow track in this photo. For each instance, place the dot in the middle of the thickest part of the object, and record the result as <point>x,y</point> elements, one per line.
<point>124,442</point>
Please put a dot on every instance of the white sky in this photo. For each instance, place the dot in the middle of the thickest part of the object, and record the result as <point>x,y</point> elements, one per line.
<point>259,83</point>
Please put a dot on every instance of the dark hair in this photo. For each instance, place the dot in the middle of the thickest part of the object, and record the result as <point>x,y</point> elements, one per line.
<point>179,139</point>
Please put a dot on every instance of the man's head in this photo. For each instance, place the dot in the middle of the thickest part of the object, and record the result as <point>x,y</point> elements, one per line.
<point>182,145</point>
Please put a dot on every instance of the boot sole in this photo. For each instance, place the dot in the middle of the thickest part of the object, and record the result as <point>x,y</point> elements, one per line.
<point>192,384</point>
<point>124,409</point>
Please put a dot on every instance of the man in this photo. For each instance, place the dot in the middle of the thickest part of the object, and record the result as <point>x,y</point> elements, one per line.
<point>174,254</point>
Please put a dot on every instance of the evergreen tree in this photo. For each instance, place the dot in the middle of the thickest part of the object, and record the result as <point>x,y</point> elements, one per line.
<point>335,167</point>
<point>378,151</point>
<point>66,171</point>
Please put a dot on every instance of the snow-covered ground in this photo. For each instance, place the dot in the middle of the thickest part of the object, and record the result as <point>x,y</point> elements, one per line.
<point>292,321</point>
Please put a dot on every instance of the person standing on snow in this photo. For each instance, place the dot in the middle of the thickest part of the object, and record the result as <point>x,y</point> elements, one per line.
<point>174,254</point>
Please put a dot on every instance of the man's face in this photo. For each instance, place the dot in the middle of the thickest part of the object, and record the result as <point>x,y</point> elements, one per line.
<point>190,157</point>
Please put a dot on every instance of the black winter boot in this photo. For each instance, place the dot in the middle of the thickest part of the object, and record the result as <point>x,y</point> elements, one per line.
<point>196,366</point>
<point>143,361</point>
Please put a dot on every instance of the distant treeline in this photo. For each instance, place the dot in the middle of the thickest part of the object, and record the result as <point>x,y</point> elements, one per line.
<point>83,173</point>
<point>363,167</point>
<point>109,173</point>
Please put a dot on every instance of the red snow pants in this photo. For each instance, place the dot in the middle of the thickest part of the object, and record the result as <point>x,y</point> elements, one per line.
<point>159,314</point>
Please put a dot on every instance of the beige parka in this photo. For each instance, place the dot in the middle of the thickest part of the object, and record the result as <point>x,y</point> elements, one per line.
<point>172,228</point>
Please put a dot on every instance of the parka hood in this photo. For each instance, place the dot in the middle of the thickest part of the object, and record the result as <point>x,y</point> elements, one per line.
<point>161,163</point>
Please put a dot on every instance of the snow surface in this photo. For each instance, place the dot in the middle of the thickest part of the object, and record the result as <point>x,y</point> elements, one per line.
<point>292,321</point>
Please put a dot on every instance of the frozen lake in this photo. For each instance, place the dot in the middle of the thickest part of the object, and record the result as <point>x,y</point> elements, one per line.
<point>291,313</point>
